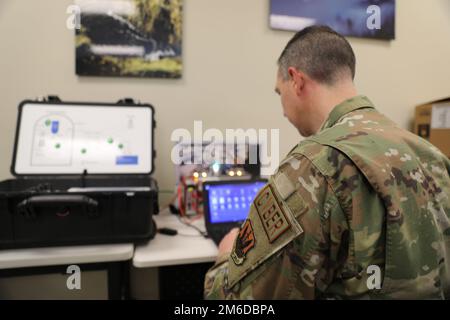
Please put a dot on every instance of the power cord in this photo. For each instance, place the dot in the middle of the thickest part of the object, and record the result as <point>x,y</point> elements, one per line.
<point>201,232</point>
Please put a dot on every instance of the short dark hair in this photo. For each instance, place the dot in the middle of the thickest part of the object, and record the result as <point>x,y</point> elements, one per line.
<point>320,52</point>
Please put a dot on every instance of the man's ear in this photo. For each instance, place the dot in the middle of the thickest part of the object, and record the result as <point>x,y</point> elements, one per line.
<point>298,80</point>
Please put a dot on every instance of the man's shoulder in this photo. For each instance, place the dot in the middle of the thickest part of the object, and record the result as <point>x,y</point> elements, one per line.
<point>370,132</point>
<point>366,138</point>
<point>322,157</point>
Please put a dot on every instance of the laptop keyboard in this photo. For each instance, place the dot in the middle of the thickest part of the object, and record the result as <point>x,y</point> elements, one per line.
<point>218,232</point>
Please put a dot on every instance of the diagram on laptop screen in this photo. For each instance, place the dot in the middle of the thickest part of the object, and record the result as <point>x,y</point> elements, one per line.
<point>56,144</point>
<point>75,139</point>
<point>53,138</point>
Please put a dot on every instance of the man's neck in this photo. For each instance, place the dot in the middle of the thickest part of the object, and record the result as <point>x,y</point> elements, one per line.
<point>330,98</point>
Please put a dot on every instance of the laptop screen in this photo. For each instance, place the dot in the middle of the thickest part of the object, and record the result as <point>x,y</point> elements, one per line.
<point>231,201</point>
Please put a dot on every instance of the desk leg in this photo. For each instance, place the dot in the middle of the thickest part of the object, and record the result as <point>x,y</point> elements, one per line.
<point>126,287</point>
<point>118,280</point>
<point>114,281</point>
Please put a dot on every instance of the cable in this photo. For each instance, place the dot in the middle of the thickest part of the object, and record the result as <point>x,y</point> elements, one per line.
<point>190,235</point>
<point>201,232</point>
<point>180,198</point>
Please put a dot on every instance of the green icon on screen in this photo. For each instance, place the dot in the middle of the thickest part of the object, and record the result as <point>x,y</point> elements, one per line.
<point>48,122</point>
<point>83,151</point>
<point>57,146</point>
<point>121,146</point>
<point>110,140</point>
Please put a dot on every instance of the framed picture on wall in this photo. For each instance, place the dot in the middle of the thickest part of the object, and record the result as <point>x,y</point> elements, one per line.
<point>355,18</point>
<point>129,38</point>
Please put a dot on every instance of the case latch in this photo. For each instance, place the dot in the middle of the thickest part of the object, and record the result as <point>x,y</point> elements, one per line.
<point>49,98</point>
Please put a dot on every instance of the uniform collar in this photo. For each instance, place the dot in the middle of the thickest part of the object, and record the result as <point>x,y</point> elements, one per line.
<point>352,104</point>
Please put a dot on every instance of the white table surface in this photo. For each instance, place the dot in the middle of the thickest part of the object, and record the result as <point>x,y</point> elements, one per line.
<point>187,247</point>
<point>38,257</point>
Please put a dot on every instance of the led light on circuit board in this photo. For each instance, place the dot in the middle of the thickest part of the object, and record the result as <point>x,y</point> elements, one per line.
<point>216,167</point>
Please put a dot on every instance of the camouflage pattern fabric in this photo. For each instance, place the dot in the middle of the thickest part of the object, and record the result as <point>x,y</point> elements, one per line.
<point>360,193</point>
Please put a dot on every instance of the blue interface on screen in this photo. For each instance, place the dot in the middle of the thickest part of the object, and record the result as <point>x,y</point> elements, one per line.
<point>231,202</point>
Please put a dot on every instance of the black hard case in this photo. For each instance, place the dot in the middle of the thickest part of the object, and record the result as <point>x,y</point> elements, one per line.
<point>37,210</point>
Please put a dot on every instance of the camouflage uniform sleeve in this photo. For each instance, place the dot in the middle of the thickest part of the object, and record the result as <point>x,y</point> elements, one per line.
<point>447,164</point>
<point>288,248</point>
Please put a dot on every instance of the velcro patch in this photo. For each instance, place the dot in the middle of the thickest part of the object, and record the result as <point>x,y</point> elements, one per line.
<point>272,216</point>
<point>284,186</point>
<point>244,243</point>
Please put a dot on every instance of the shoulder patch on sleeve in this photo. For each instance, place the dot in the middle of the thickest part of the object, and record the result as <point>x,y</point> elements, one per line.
<point>284,186</point>
<point>245,241</point>
<point>269,228</point>
<point>272,216</point>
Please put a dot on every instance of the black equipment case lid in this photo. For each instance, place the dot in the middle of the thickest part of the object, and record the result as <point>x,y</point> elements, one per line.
<point>77,138</point>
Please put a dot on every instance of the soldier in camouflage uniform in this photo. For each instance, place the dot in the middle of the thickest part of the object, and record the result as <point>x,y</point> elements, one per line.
<point>358,195</point>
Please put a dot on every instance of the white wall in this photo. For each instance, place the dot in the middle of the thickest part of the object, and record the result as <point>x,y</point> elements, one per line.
<point>229,69</point>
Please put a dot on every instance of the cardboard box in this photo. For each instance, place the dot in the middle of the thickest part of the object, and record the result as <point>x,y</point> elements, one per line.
<point>432,122</point>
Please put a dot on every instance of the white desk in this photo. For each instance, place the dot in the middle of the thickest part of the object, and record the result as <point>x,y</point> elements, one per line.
<point>187,247</point>
<point>44,260</point>
<point>38,257</point>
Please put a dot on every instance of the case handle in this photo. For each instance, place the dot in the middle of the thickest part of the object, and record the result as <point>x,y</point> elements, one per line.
<point>28,206</point>
<point>127,101</point>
